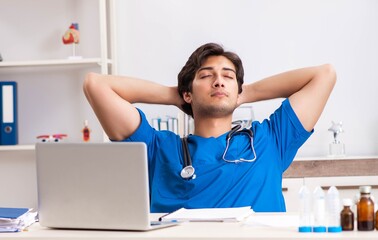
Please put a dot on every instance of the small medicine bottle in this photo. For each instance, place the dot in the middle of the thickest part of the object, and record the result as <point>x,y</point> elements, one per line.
<point>86,132</point>
<point>365,210</point>
<point>347,215</point>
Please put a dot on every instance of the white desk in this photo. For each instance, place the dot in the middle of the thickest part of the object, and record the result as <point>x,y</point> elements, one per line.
<point>187,231</point>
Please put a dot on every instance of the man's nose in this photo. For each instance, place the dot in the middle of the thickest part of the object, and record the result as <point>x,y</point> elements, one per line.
<point>218,81</point>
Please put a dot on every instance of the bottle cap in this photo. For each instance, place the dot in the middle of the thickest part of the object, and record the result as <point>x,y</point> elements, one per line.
<point>304,229</point>
<point>319,229</point>
<point>347,202</point>
<point>333,191</point>
<point>365,189</point>
<point>334,229</point>
<point>319,192</point>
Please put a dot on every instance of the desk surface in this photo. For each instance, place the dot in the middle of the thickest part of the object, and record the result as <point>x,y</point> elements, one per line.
<point>189,230</point>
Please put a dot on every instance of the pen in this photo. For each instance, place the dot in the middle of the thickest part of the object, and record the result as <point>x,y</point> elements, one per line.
<point>161,218</point>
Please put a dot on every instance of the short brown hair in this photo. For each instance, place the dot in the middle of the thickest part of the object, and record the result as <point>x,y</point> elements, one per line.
<point>195,61</point>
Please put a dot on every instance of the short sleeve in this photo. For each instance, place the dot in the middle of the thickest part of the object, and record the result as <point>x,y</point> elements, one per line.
<point>289,132</point>
<point>144,133</point>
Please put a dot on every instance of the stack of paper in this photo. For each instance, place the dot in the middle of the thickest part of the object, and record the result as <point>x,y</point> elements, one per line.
<point>16,219</point>
<point>209,214</point>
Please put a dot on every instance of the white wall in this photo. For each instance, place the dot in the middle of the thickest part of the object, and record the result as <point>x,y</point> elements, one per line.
<point>156,37</point>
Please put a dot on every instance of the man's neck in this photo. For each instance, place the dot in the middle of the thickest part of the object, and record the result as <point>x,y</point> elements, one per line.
<point>212,127</point>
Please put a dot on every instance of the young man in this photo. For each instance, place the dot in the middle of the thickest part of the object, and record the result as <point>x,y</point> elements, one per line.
<point>245,171</point>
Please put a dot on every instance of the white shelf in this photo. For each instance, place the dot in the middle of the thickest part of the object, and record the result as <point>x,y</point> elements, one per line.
<point>51,62</point>
<point>16,147</point>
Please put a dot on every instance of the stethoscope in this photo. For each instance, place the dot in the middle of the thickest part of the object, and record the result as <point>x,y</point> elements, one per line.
<point>188,172</point>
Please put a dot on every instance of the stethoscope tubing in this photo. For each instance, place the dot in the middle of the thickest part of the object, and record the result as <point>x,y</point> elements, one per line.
<point>188,171</point>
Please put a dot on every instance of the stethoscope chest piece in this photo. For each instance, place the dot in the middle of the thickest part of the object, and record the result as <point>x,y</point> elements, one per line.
<point>188,172</point>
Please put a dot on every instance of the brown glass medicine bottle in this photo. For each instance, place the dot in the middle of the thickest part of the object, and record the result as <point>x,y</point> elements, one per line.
<point>365,210</point>
<point>347,216</point>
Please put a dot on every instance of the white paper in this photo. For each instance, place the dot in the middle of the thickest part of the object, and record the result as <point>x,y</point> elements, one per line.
<point>18,224</point>
<point>209,214</point>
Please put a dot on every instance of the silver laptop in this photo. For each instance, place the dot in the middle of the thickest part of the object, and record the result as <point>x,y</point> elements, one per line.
<point>94,186</point>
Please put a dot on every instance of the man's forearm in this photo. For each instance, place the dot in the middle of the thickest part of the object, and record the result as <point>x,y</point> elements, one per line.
<point>308,90</point>
<point>111,98</point>
<point>282,85</point>
<point>134,90</point>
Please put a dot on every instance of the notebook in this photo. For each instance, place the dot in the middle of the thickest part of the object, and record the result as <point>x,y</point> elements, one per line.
<point>94,186</point>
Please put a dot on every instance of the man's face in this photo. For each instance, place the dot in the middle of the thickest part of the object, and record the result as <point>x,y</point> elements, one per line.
<point>214,89</point>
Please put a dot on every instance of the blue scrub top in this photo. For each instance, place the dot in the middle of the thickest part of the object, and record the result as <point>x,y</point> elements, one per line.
<point>218,183</point>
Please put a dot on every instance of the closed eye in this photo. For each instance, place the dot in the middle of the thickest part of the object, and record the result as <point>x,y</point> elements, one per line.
<point>229,76</point>
<point>205,76</point>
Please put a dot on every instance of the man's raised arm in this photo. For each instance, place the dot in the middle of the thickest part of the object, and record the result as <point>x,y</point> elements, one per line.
<point>111,98</point>
<point>308,90</point>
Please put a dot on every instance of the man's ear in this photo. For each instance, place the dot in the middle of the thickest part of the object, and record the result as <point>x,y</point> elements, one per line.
<point>187,96</point>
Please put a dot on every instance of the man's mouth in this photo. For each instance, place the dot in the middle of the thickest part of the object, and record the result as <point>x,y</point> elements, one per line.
<point>219,94</point>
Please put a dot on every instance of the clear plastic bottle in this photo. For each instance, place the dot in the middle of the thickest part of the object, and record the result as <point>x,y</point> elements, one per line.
<point>347,215</point>
<point>333,210</point>
<point>304,210</point>
<point>319,210</point>
<point>365,210</point>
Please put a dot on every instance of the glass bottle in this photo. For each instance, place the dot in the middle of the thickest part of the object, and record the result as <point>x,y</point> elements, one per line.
<point>376,221</point>
<point>347,215</point>
<point>365,210</point>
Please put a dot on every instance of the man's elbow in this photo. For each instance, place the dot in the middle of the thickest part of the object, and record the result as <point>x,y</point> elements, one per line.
<point>90,83</point>
<point>330,73</point>
<point>89,80</point>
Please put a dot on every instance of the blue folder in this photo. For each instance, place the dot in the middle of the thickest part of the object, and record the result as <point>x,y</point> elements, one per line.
<point>8,113</point>
<point>12,213</point>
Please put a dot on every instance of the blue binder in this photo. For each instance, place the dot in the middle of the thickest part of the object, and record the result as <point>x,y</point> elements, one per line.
<point>12,213</point>
<point>8,113</point>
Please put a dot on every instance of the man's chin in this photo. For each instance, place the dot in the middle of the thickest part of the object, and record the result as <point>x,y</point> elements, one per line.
<point>218,111</point>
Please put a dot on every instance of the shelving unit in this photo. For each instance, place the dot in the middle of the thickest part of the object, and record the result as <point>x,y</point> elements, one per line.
<point>50,97</point>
